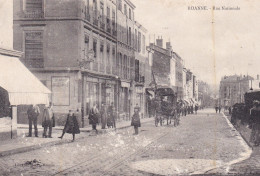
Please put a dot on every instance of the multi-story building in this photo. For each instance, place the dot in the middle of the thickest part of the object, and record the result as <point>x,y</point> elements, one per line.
<point>178,74</point>
<point>125,55</point>
<point>163,65</point>
<point>83,50</point>
<point>233,88</point>
<point>142,67</point>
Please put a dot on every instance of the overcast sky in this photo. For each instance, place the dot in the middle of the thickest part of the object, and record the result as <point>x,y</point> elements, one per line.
<point>231,43</point>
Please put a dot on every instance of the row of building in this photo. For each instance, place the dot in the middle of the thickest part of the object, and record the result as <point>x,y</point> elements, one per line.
<point>94,52</point>
<point>233,88</point>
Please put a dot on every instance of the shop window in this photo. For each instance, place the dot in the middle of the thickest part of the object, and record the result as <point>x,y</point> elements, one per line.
<point>34,49</point>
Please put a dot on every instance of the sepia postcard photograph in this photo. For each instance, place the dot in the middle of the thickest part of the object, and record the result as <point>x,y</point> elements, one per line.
<point>129,87</point>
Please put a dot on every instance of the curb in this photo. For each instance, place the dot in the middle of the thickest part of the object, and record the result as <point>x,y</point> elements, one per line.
<point>243,156</point>
<point>58,142</point>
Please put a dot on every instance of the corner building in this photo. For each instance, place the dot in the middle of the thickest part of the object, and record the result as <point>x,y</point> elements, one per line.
<point>82,50</point>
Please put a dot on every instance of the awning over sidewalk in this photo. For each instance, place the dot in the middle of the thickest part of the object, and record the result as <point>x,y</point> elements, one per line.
<point>22,86</point>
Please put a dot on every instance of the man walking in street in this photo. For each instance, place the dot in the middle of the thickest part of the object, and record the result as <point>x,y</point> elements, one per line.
<point>47,121</point>
<point>33,113</point>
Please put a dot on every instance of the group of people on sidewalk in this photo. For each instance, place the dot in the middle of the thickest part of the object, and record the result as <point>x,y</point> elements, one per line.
<point>48,122</point>
<point>106,116</point>
<point>218,108</point>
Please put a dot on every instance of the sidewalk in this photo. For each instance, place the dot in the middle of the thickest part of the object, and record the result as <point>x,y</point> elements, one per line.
<point>24,144</point>
<point>250,166</point>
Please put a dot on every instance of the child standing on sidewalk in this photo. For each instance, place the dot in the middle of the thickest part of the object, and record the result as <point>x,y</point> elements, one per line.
<point>136,119</point>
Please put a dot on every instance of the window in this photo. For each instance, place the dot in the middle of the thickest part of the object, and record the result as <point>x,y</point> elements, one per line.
<point>130,15</point>
<point>102,10</point>
<point>33,5</point>
<point>125,9</point>
<point>136,43</point>
<point>108,59</point>
<point>129,33</point>
<point>120,5</point>
<point>139,42</point>
<point>95,47</point>
<point>113,16</point>
<point>108,12</point>
<point>95,8</point>
<point>143,45</point>
<point>34,49</point>
<point>87,6</point>
<point>86,45</point>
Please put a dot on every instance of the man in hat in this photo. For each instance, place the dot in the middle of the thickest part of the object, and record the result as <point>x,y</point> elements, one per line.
<point>33,113</point>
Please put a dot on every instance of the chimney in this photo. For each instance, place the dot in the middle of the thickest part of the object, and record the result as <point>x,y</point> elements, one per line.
<point>168,46</point>
<point>159,42</point>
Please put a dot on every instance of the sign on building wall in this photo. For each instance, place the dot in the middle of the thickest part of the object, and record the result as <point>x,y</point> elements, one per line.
<point>60,91</point>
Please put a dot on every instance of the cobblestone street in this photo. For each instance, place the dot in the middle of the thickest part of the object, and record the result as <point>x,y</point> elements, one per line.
<point>200,144</point>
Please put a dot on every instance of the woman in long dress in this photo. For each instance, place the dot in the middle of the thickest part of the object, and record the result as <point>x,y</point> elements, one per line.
<point>71,126</point>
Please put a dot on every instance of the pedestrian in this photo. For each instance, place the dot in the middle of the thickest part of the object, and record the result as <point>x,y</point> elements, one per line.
<point>185,110</point>
<point>196,108</point>
<point>255,120</point>
<point>216,108</point>
<point>48,121</point>
<point>71,125</point>
<point>111,116</point>
<point>219,109</point>
<point>136,122</point>
<point>33,113</point>
<point>103,114</point>
<point>93,117</point>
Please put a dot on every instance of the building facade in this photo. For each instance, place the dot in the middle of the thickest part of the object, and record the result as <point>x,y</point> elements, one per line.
<point>82,50</point>
<point>233,88</point>
<point>163,65</point>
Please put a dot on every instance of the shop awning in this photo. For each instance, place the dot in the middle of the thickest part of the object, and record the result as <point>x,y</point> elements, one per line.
<point>186,101</point>
<point>22,86</point>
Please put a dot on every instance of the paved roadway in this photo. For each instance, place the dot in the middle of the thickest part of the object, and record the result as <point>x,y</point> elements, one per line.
<point>201,143</point>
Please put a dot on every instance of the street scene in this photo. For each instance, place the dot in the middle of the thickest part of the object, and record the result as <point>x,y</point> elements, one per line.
<point>128,87</point>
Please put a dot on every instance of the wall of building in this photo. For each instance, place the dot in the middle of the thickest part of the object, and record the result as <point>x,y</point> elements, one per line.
<point>6,26</point>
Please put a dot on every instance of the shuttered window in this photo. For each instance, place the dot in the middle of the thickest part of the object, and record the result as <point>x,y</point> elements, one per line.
<point>33,5</point>
<point>34,49</point>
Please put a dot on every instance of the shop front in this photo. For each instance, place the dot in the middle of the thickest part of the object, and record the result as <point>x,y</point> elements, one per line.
<point>97,90</point>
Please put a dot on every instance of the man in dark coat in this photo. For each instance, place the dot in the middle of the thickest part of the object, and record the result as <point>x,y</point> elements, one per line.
<point>216,108</point>
<point>47,121</point>
<point>93,117</point>
<point>33,113</point>
<point>136,122</point>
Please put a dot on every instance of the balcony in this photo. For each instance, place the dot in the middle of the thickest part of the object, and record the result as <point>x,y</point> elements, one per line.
<point>34,14</point>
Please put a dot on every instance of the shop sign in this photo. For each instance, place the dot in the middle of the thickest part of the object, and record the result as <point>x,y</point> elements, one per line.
<point>60,91</point>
